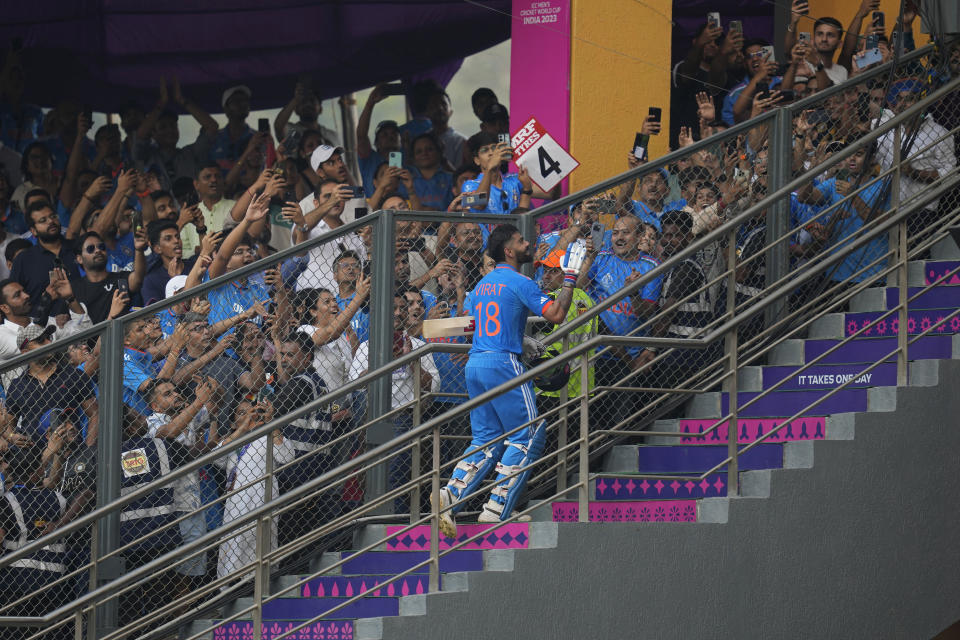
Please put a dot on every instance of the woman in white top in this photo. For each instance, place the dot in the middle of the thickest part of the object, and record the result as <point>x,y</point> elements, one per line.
<point>245,469</point>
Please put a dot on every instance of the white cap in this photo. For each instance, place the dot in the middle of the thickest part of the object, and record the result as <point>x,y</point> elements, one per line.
<point>321,154</point>
<point>232,90</point>
<point>174,285</point>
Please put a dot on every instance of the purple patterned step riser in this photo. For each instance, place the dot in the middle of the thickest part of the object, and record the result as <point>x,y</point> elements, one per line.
<point>660,511</point>
<point>700,458</point>
<point>872,349</point>
<point>917,322</point>
<point>347,587</point>
<point>830,376</point>
<point>933,271</point>
<point>620,488</point>
<point>333,630</point>
<point>306,608</point>
<point>377,562</point>
<point>509,536</point>
<point>935,298</point>
<point>788,403</point>
<point>810,428</point>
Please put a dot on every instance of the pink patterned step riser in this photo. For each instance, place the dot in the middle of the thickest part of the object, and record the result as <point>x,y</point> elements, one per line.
<point>646,511</point>
<point>510,536</point>
<point>348,587</point>
<point>335,630</point>
<point>612,488</point>
<point>936,270</point>
<point>917,322</point>
<point>812,428</point>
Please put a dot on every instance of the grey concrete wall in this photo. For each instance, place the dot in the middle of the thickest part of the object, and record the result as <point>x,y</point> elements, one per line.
<point>863,545</point>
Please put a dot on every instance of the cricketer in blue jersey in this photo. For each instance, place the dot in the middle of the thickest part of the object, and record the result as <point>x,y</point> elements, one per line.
<point>499,304</point>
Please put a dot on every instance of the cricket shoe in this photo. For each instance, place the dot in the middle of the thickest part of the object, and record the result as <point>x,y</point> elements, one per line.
<point>448,523</point>
<point>491,514</point>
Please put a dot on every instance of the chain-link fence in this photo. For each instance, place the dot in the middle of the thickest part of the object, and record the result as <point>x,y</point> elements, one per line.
<point>284,339</point>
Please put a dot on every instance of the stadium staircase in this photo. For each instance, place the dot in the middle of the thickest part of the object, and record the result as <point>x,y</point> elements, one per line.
<point>793,514</point>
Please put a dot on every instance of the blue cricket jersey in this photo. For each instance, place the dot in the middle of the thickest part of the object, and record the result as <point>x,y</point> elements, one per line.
<point>607,275</point>
<point>499,305</point>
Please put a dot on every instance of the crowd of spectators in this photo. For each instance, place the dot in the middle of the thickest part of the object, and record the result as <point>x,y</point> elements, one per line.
<point>93,228</point>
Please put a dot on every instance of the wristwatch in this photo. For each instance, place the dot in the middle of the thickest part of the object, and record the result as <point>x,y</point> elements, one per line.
<point>820,67</point>
<point>527,192</point>
<point>303,228</point>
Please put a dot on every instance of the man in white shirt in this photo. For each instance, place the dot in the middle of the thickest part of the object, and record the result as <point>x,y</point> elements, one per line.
<point>175,419</point>
<point>402,390</point>
<point>15,305</point>
<point>827,32</point>
<point>327,162</point>
<point>214,207</point>
<point>324,214</point>
<point>930,154</point>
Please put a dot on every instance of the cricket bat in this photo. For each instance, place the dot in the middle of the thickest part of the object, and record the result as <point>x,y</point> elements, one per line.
<point>447,327</point>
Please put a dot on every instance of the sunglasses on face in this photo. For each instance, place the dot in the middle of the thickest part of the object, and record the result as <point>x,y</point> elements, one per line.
<point>93,248</point>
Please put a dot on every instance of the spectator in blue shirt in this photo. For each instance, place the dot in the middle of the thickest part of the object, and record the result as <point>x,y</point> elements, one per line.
<point>232,140</point>
<point>761,75</point>
<point>431,183</point>
<point>653,190</point>
<point>239,250</point>
<point>602,275</point>
<point>347,270</point>
<point>386,138</point>
<point>139,367</point>
<point>847,221</point>
<point>504,191</point>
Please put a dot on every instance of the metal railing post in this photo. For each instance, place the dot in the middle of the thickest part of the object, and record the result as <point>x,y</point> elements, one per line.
<point>109,439</point>
<point>259,592</point>
<point>562,429</point>
<point>269,479</point>
<point>381,348</point>
<point>730,352</point>
<point>435,513</point>
<point>779,172</point>
<point>584,470</point>
<point>415,454</point>
<point>903,318</point>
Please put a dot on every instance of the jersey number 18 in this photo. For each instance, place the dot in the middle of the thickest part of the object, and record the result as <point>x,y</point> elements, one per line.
<point>488,319</point>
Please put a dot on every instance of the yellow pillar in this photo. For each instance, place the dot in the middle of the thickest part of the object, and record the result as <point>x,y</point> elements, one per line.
<point>620,66</point>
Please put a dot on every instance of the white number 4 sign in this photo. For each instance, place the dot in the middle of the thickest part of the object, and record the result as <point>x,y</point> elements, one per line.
<point>544,159</point>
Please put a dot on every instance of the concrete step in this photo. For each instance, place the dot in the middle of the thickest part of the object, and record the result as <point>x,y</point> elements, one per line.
<point>945,249</point>
<point>687,458</point>
<point>828,376</point>
<point>884,298</point>
<point>866,350</point>
<point>778,403</point>
<point>379,562</point>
